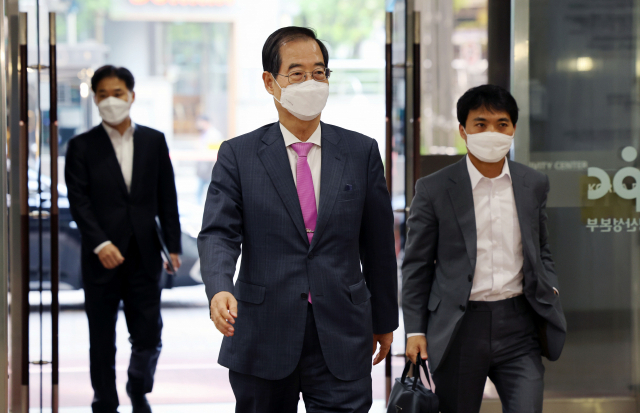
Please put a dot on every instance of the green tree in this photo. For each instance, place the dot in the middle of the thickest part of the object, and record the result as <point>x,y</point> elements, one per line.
<point>342,22</point>
<point>90,13</point>
<point>89,16</point>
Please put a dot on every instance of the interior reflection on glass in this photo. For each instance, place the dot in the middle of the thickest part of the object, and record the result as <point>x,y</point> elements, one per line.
<point>583,114</point>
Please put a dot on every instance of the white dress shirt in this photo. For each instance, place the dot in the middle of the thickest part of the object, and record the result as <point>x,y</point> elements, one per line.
<point>123,147</point>
<point>314,158</point>
<point>498,273</point>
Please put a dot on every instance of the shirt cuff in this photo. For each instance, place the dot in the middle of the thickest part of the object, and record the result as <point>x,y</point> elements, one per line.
<point>101,246</point>
<point>415,334</point>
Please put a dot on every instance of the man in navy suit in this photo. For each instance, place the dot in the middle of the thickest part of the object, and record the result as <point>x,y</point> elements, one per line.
<point>119,178</point>
<point>308,203</point>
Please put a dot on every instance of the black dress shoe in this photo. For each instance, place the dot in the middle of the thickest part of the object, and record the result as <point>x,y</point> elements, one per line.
<point>139,402</point>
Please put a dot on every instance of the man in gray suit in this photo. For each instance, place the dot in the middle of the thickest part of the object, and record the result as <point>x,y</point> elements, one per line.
<point>478,277</point>
<point>308,203</point>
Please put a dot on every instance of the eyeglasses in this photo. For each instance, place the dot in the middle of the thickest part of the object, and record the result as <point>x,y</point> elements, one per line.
<point>298,76</point>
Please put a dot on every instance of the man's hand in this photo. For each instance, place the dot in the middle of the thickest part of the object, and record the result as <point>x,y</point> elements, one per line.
<point>110,256</point>
<point>224,310</point>
<point>175,261</point>
<point>385,341</point>
<point>415,345</point>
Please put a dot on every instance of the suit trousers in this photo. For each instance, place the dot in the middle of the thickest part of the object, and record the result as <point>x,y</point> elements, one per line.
<point>322,391</point>
<point>498,340</point>
<point>140,294</point>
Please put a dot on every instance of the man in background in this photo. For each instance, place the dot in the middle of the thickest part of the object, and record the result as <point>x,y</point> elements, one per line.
<point>119,179</point>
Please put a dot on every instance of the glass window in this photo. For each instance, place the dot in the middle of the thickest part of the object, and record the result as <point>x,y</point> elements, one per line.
<point>454,59</point>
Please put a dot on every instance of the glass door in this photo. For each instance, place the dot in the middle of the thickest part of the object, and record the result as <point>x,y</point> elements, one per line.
<point>395,153</point>
<point>33,172</point>
<point>576,78</point>
<point>198,80</point>
<point>4,276</point>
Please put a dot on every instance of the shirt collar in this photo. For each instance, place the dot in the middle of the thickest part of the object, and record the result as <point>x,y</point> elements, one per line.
<point>290,139</point>
<point>113,132</point>
<point>476,176</point>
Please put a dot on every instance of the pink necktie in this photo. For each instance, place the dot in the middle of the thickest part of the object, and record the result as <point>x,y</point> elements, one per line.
<point>306,193</point>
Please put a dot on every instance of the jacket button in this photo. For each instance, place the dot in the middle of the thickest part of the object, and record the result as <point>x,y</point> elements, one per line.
<point>463,308</point>
<point>470,277</point>
<point>303,296</point>
<point>310,255</point>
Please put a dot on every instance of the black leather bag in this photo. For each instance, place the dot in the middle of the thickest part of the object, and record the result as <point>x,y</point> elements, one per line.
<point>409,395</point>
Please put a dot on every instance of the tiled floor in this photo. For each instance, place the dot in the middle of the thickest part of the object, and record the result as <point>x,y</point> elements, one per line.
<point>378,407</point>
<point>188,373</point>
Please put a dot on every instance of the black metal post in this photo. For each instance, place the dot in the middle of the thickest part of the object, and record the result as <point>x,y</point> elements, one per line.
<point>4,246</point>
<point>388,149</point>
<point>55,267</point>
<point>23,169</point>
<point>417,97</point>
<point>499,43</point>
<point>389,98</point>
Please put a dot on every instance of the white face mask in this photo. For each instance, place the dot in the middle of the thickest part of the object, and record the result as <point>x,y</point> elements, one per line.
<point>304,100</point>
<point>489,147</point>
<point>115,110</point>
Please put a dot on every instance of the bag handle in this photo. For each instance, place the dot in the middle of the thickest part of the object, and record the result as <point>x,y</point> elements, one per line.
<point>427,373</point>
<point>417,373</point>
<point>421,363</point>
<point>405,371</point>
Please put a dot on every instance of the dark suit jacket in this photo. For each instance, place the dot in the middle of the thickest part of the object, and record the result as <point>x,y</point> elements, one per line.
<point>253,202</point>
<point>105,211</point>
<point>440,257</point>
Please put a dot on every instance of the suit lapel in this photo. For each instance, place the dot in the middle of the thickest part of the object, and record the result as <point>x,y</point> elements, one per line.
<point>461,195</point>
<point>105,146</point>
<point>138,158</point>
<point>333,160</point>
<point>273,155</point>
<point>524,199</point>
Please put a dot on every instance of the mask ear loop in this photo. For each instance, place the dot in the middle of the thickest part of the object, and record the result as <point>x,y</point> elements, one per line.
<point>274,96</point>
<point>466,143</point>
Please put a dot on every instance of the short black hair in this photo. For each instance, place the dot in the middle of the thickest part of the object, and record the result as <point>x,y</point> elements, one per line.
<point>493,98</point>
<point>271,59</point>
<point>121,73</point>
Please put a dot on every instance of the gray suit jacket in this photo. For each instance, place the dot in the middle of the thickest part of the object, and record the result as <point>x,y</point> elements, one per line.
<point>440,257</point>
<point>253,202</point>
